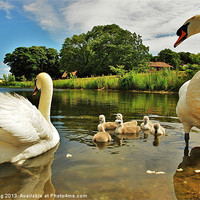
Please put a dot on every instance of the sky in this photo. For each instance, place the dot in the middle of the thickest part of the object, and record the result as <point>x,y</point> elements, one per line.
<point>26,23</point>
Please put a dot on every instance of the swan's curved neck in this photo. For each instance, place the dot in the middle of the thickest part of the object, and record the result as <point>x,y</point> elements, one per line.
<point>45,100</point>
<point>194,27</point>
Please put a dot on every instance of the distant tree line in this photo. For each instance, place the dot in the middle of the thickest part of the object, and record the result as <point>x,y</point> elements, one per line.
<point>175,59</point>
<point>98,52</point>
<point>183,61</point>
<point>29,61</point>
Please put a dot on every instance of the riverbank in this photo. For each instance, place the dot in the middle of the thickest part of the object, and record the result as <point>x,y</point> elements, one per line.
<point>162,82</point>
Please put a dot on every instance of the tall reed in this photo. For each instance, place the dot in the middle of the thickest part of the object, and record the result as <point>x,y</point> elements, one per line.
<point>165,80</point>
<point>104,82</point>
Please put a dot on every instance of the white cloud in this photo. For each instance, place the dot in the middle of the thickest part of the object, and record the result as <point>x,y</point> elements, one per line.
<point>6,7</point>
<point>156,21</point>
<point>4,69</point>
<point>45,14</point>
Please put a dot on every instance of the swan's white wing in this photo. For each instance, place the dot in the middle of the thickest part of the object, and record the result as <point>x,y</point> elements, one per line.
<point>21,120</point>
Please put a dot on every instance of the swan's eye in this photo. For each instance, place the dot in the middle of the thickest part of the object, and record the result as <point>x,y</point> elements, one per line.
<point>182,28</point>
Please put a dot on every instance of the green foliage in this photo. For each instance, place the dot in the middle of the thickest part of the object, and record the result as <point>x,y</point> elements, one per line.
<point>170,57</point>
<point>191,70</point>
<point>5,77</point>
<point>16,84</point>
<point>143,67</point>
<point>92,53</point>
<point>119,70</point>
<point>184,61</point>
<point>11,78</point>
<point>185,58</point>
<point>23,78</point>
<point>28,61</point>
<point>104,82</point>
<point>195,58</point>
<point>165,80</point>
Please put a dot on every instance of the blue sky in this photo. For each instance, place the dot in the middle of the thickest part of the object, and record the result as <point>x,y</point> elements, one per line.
<point>49,22</point>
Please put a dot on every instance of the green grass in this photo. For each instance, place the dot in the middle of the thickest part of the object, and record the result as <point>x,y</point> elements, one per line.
<point>154,81</point>
<point>17,84</point>
<point>104,82</point>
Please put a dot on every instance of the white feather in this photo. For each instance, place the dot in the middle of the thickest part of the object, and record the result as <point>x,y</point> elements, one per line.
<point>24,132</point>
<point>21,119</point>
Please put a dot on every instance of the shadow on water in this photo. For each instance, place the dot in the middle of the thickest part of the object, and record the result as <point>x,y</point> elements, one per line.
<point>115,170</point>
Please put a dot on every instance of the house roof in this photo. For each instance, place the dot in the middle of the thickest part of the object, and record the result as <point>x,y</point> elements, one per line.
<point>65,74</point>
<point>160,64</point>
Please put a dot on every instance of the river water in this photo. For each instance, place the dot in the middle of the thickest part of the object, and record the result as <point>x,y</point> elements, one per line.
<point>117,170</point>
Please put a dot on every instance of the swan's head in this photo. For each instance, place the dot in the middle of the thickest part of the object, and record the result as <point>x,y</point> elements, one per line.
<point>119,116</point>
<point>119,122</point>
<point>102,118</point>
<point>156,127</point>
<point>146,119</point>
<point>42,80</point>
<point>190,27</point>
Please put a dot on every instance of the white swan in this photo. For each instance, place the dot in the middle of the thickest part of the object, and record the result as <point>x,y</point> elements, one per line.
<point>189,28</point>
<point>106,125</point>
<point>188,106</point>
<point>26,131</point>
<point>189,94</point>
<point>147,124</point>
<point>121,129</point>
<point>102,136</point>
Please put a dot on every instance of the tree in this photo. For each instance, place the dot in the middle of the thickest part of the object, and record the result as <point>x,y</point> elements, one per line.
<point>52,63</point>
<point>27,61</point>
<point>5,77</point>
<point>191,70</point>
<point>195,58</point>
<point>76,54</point>
<point>92,53</point>
<point>170,57</point>
<point>185,58</point>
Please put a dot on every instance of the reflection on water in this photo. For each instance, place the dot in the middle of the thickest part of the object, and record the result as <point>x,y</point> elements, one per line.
<point>32,181</point>
<point>115,170</point>
<point>187,179</point>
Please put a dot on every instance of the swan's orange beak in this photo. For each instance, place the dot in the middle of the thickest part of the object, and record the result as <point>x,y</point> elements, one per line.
<point>181,38</point>
<point>182,32</point>
<point>35,90</point>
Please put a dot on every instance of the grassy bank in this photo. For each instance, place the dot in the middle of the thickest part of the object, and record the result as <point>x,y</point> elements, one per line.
<point>17,84</point>
<point>152,81</point>
<point>104,82</point>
